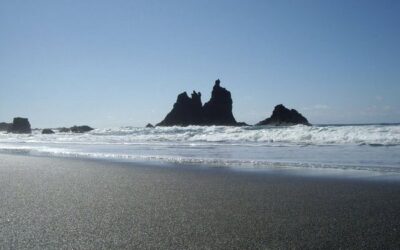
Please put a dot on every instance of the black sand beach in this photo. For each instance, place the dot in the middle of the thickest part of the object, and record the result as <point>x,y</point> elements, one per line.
<point>70,203</point>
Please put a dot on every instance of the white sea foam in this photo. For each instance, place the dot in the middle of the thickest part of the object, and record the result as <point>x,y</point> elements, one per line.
<point>386,135</point>
<point>369,147</point>
<point>198,161</point>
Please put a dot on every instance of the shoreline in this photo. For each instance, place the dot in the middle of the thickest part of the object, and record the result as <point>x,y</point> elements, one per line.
<point>315,172</point>
<point>50,202</point>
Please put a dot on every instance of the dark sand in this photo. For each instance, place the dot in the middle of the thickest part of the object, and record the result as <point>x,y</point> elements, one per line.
<point>71,203</point>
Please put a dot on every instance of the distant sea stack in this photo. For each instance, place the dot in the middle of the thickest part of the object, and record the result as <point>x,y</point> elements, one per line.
<point>20,126</point>
<point>190,111</point>
<point>281,116</point>
<point>4,126</point>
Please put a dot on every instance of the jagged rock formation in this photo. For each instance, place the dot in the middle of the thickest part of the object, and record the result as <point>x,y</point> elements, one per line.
<point>149,125</point>
<point>186,111</point>
<point>218,111</point>
<point>20,126</point>
<point>81,129</point>
<point>189,110</point>
<point>47,131</point>
<point>4,126</point>
<point>281,116</point>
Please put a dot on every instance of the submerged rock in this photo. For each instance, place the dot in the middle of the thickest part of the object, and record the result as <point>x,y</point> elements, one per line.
<point>64,130</point>
<point>281,116</point>
<point>149,125</point>
<point>190,111</point>
<point>75,129</point>
<point>81,129</point>
<point>20,126</point>
<point>4,126</point>
<point>47,131</point>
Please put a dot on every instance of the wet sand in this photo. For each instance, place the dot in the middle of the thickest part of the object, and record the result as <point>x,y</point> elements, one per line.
<point>71,203</point>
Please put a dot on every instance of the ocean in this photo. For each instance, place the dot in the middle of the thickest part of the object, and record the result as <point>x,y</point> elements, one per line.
<point>373,148</point>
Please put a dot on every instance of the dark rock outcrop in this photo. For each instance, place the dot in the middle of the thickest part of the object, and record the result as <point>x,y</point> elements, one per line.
<point>186,111</point>
<point>81,129</point>
<point>189,110</point>
<point>218,111</point>
<point>5,126</point>
<point>75,129</point>
<point>149,125</point>
<point>281,116</point>
<point>20,126</point>
<point>47,131</point>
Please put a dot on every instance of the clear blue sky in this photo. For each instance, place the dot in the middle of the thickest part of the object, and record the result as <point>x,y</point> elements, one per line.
<point>112,63</point>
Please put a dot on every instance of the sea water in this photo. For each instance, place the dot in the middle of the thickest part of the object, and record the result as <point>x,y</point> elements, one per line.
<point>344,147</point>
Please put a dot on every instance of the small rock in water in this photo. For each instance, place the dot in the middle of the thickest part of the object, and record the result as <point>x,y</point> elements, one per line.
<point>47,131</point>
<point>81,129</point>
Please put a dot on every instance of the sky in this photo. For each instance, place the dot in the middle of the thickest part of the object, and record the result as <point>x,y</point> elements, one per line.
<point>123,63</point>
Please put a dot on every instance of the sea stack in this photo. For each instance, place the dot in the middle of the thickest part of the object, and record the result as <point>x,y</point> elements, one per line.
<point>218,110</point>
<point>4,126</point>
<point>186,111</point>
<point>20,126</point>
<point>282,116</point>
<point>190,111</point>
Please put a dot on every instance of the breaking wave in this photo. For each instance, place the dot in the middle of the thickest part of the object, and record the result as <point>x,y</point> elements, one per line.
<point>367,147</point>
<point>373,135</point>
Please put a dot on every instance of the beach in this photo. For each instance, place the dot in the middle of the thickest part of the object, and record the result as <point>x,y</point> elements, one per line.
<point>55,202</point>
